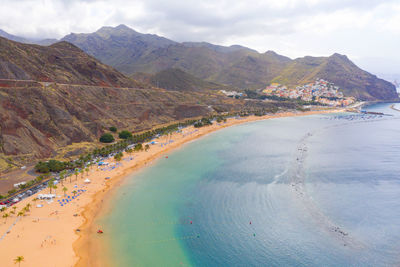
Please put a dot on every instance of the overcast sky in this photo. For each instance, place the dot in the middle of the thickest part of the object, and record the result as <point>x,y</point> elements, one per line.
<point>368,31</point>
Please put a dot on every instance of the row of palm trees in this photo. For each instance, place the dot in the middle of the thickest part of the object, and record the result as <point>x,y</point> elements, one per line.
<point>82,164</point>
<point>13,211</point>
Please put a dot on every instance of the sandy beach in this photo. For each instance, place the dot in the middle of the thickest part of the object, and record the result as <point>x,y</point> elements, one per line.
<point>49,235</point>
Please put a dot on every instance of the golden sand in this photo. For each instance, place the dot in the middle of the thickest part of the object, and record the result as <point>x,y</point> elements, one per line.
<point>47,236</point>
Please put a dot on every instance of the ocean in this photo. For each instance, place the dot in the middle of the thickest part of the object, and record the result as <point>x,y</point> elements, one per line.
<point>320,190</point>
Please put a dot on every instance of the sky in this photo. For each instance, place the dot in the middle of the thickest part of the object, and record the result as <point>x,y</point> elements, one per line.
<point>367,31</point>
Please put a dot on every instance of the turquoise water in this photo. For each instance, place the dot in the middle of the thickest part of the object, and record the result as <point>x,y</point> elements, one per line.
<point>319,190</point>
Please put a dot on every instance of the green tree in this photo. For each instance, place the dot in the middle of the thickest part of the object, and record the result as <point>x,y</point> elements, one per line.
<point>62,176</point>
<point>76,172</point>
<point>138,147</point>
<point>5,216</point>
<point>74,192</point>
<point>55,165</point>
<point>125,134</point>
<point>118,156</point>
<point>113,129</point>
<point>146,147</point>
<point>18,260</point>
<point>27,208</point>
<point>42,167</point>
<point>50,185</point>
<point>65,190</point>
<point>107,138</point>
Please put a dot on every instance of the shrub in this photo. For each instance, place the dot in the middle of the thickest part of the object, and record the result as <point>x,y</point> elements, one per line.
<point>206,121</point>
<point>107,138</point>
<point>125,134</point>
<point>113,129</point>
<point>12,191</point>
<point>198,124</point>
<point>138,147</point>
<point>118,156</point>
<point>42,167</point>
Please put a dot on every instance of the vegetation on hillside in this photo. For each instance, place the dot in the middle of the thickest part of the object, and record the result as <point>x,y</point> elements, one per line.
<point>107,138</point>
<point>125,134</point>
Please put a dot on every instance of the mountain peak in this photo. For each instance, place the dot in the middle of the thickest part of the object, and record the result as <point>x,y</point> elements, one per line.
<point>339,56</point>
<point>120,30</point>
<point>123,27</point>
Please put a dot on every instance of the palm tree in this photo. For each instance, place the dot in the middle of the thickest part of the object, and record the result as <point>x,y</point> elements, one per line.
<point>65,190</point>
<point>12,212</point>
<point>27,207</point>
<point>55,189</point>
<point>81,172</point>
<point>5,216</point>
<point>62,176</point>
<point>21,213</point>
<point>18,260</point>
<point>146,147</point>
<point>87,171</point>
<point>74,192</point>
<point>50,185</point>
<point>3,209</point>
<point>76,172</point>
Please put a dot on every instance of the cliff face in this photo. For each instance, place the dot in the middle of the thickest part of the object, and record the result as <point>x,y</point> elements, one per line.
<point>61,62</point>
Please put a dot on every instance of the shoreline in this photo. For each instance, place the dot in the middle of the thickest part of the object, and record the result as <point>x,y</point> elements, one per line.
<point>82,245</point>
<point>48,234</point>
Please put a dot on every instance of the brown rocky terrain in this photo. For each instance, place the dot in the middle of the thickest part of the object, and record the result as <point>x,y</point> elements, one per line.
<point>56,96</point>
<point>36,121</point>
<point>61,62</point>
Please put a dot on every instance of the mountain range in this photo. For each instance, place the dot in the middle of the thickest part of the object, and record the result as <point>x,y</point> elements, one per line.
<point>140,55</point>
<point>131,52</point>
<point>54,98</point>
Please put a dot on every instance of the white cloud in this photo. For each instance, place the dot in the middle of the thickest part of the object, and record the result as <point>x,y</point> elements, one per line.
<point>361,29</point>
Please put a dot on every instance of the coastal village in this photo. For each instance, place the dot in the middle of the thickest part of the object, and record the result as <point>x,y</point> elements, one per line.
<point>320,91</point>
